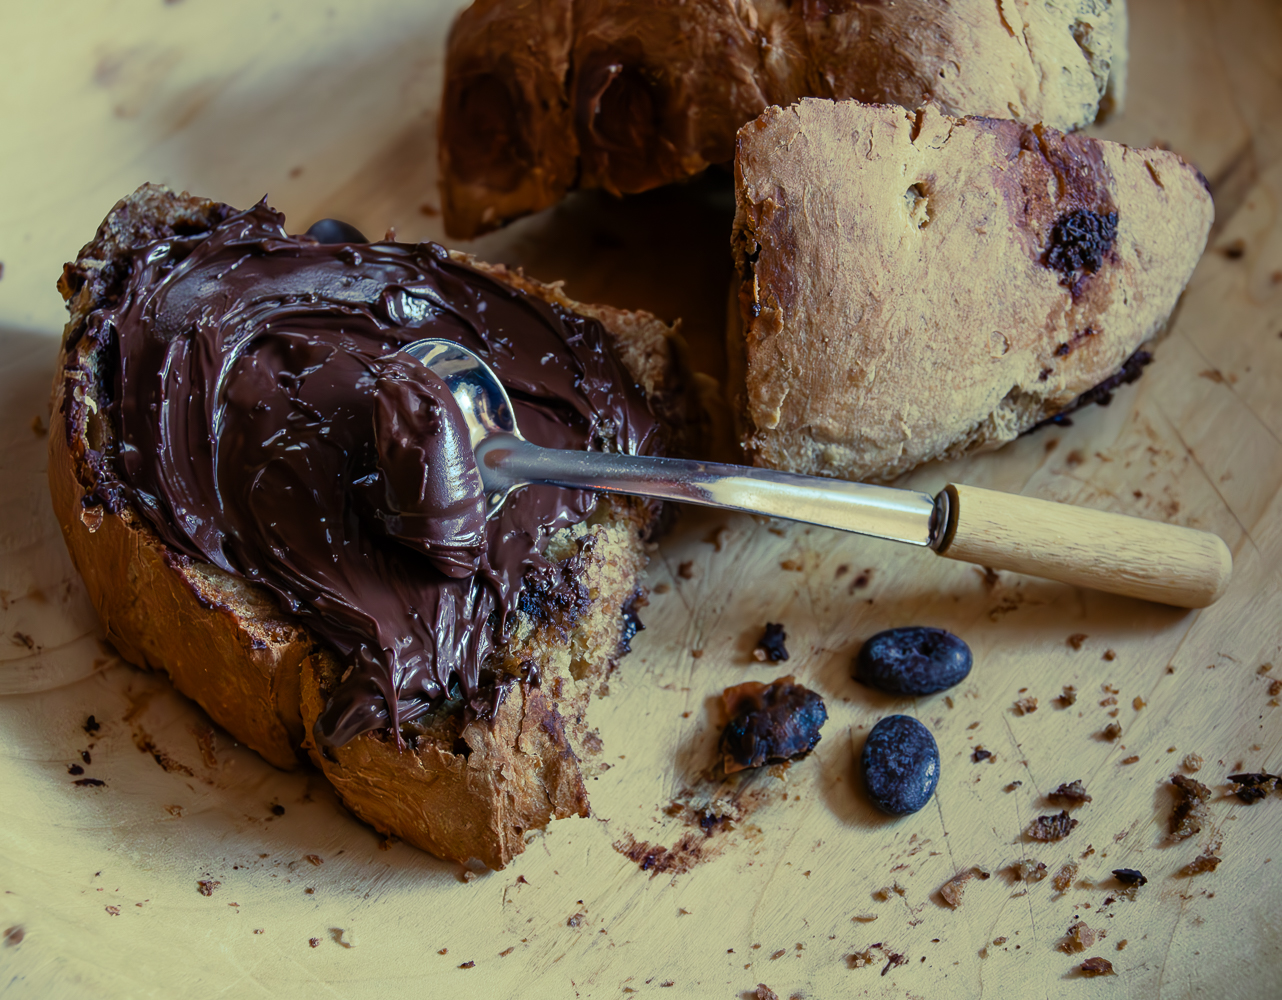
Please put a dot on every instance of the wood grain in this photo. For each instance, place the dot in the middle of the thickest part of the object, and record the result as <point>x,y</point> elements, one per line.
<point>1111,552</point>
<point>331,111</point>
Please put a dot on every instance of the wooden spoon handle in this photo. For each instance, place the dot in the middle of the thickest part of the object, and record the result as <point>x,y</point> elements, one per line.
<point>1086,548</point>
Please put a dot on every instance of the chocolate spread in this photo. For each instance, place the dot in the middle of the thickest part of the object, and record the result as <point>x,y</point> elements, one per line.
<point>268,425</point>
<point>434,495</point>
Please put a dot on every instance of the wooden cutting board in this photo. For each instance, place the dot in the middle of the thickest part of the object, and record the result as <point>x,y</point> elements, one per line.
<point>197,870</point>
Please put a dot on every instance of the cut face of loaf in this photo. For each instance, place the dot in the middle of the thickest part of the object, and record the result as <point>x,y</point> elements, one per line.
<point>915,286</point>
<point>626,95</point>
<point>461,788</point>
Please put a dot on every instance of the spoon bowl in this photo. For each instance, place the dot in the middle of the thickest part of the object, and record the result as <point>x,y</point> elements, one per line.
<point>487,410</point>
<point>486,407</point>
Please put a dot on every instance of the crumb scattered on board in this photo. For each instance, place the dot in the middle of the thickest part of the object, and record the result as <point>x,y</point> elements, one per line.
<point>1129,876</point>
<point>1250,788</point>
<point>953,890</point>
<point>1048,828</point>
<point>1204,862</point>
<point>771,644</point>
<point>1079,938</point>
<point>1190,809</point>
<point>1073,791</point>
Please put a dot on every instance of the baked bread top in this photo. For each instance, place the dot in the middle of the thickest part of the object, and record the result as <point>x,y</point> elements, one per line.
<point>915,286</point>
<point>626,95</point>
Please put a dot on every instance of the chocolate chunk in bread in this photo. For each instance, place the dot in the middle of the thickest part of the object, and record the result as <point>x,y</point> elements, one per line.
<point>626,95</point>
<point>914,286</point>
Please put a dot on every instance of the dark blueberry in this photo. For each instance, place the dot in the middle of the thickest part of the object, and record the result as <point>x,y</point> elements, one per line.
<point>333,231</point>
<point>900,764</point>
<point>916,660</point>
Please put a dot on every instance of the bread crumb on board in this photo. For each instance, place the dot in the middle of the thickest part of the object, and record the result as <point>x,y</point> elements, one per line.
<point>1190,808</point>
<point>1071,792</point>
<point>1204,862</point>
<point>771,644</point>
<point>952,891</point>
<point>1064,877</point>
<point>1250,788</point>
<point>1079,938</point>
<point>1048,828</point>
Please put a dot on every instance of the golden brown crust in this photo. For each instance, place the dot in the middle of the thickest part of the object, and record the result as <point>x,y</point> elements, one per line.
<point>242,665</point>
<point>472,789</point>
<point>542,96</point>
<point>912,310</point>
<point>263,677</point>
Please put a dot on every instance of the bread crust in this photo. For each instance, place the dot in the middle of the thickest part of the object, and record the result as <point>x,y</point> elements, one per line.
<point>263,677</point>
<point>546,96</point>
<point>475,789</point>
<point>913,308</point>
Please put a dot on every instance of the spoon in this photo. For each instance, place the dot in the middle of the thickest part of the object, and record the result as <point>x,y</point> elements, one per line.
<point>1111,552</point>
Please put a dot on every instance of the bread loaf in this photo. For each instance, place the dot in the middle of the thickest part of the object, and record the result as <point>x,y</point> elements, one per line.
<point>544,97</point>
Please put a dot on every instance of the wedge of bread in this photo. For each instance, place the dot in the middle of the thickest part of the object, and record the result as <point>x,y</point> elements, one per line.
<point>626,95</point>
<point>461,788</point>
<point>914,286</point>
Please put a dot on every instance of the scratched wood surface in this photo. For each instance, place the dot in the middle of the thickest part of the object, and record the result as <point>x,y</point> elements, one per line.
<point>331,112</point>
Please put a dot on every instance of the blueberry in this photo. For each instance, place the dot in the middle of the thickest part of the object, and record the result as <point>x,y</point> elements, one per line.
<point>915,660</point>
<point>900,764</point>
<point>333,231</point>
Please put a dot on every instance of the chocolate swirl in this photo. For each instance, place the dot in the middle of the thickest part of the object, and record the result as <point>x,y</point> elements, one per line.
<point>268,424</point>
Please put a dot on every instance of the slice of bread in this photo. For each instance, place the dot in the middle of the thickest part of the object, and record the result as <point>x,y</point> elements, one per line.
<point>464,789</point>
<point>626,95</point>
<point>914,286</point>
